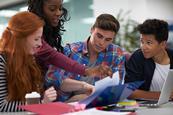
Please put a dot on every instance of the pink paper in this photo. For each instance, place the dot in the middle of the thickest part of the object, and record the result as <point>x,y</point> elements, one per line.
<point>55,108</point>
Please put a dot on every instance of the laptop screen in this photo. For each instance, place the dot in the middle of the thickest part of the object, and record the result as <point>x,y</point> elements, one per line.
<point>167,88</point>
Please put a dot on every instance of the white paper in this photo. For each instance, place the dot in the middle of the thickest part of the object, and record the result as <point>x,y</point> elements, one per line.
<point>100,86</point>
<point>108,81</point>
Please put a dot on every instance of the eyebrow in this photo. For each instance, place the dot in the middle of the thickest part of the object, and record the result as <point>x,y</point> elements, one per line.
<point>52,5</point>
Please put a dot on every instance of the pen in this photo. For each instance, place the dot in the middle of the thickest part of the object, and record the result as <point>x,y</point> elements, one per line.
<point>124,110</point>
<point>110,107</point>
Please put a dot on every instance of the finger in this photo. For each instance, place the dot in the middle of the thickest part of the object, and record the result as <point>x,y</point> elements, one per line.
<point>51,88</point>
<point>89,89</point>
<point>53,93</point>
<point>102,76</point>
<point>50,93</point>
<point>51,99</point>
<point>110,73</point>
<point>106,71</point>
<point>93,90</point>
<point>52,96</point>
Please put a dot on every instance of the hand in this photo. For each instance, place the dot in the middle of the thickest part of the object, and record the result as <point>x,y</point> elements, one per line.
<point>85,90</point>
<point>89,89</point>
<point>171,97</point>
<point>49,95</point>
<point>101,71</point>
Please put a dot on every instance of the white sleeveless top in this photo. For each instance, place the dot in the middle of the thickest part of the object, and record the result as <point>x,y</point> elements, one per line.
<point>159,77</point>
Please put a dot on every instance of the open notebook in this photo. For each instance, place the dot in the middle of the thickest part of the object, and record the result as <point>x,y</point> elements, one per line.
<point>165,92</point>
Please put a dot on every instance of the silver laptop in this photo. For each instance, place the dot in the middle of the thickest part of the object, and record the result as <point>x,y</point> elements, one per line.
<point>165,92</point>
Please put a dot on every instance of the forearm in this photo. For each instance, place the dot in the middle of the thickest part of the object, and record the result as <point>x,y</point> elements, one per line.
<point>48,55</point>
<point>141,94</point>
<point>67,64</point>
<point>10,106</point>
<point>70,85</point>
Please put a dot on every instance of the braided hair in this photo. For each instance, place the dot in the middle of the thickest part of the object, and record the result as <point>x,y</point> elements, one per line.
<point>52,35</point>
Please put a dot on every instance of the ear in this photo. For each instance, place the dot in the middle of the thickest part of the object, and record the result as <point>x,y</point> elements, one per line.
<point>163,44</point>
<point>91,30</point>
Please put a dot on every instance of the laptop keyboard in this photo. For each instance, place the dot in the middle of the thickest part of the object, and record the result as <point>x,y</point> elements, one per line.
<point>149,102</point>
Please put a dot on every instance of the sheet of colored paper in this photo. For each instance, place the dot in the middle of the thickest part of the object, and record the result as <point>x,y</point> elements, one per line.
<point>55,108</point>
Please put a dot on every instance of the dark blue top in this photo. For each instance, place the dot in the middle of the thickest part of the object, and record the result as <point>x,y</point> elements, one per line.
<point>138,68</point>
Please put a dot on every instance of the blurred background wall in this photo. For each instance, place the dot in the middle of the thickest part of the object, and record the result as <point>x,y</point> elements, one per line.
<point>83,14</point>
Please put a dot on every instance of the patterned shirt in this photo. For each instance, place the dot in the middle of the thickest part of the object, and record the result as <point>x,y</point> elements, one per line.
<point>112,56</point>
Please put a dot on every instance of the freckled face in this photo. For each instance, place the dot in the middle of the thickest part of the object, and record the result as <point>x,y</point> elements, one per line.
<point>34,41</point>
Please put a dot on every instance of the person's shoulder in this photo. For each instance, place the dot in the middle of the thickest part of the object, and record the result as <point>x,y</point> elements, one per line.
<point>136,59</point>
<point>2,58</point>
<point>137,55</point>
<point>76,46</point>
<point>170,51</point>
<point>114,47</point>
<point>138,52</point>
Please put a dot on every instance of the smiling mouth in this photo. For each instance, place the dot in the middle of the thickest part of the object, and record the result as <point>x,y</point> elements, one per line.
<point>144,52</point>
<point>56,21</point>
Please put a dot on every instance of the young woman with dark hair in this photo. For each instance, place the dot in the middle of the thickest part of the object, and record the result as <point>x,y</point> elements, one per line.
<point>54,15</point>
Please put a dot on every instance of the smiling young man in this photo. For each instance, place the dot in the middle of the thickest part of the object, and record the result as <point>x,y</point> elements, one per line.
<point>152,61</point>
<point>97,49</point>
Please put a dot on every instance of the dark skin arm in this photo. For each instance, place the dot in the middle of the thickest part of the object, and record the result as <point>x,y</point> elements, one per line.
<point>141,94</point>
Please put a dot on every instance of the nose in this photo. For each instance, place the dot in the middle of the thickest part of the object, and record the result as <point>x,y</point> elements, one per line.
<point>101,42</point>
<point>58,12</point>
<point>143,46</point>
<point>39,43</point>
